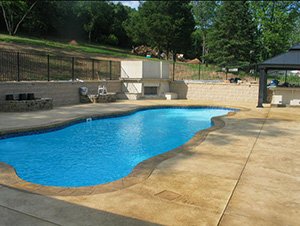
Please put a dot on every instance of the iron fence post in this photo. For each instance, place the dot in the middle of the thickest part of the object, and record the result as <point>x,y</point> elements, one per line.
<point>18,66</point>
<point>93,69</point>
<point>173,70</point>
<point>73,75</point>
<point>48,67</point>
<point>199,71</point>
<point>110,72</point>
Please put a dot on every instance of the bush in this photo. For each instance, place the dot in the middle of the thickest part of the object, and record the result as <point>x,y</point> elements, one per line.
<point>112,40</point>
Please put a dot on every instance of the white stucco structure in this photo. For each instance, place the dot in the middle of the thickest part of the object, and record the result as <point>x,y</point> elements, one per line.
<point>144,70</point>
<point>144,79</point>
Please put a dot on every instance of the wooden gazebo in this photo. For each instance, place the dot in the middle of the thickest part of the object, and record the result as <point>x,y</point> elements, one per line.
<point>286,61</point>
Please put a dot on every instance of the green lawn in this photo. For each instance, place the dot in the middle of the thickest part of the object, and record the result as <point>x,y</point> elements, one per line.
<point>81,47</point>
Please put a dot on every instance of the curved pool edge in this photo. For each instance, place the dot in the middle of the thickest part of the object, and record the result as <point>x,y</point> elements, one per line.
<point>9,177</point>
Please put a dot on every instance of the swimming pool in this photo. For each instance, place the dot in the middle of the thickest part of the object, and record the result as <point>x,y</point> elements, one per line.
<point>103,150</point>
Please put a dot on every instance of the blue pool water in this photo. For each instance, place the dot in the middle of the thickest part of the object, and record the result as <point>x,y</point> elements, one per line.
<point>103,150</point>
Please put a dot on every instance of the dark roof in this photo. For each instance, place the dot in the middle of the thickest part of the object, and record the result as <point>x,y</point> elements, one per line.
<point>287,61</point>
<point>295,47</point>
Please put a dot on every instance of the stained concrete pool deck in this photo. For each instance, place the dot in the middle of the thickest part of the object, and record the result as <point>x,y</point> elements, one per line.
<point>246,173</point>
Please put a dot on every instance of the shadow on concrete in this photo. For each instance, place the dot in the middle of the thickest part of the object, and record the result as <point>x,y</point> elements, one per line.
<point>19,207</point>
<point>236,129</point>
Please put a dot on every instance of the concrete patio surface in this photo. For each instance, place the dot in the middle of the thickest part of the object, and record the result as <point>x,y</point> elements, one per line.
<point>246,173</point>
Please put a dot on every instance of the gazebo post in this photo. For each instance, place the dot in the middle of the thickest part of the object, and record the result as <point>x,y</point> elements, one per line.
<point>265,81</point>
<point>285,76</point>
<point>262,87</point>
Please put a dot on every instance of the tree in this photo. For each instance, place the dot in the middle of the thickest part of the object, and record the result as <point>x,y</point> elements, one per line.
<point>295,37</point>
<point>196,45</point>
<point>48,17</point>
<point>276,23</point>
<point>14,13</point>
<point>63,20</point>
<point>233,37</point>
<point>97,17</point>
<point>166,25</point>
<point>121,14</point>
<point>204,13</point>
<point>135,28</point>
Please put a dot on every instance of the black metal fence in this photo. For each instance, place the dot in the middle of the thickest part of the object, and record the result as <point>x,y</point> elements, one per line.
<point>198,71</point>
<point>15,66</point>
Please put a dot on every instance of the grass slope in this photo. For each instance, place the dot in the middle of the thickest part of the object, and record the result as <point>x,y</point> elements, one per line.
<point>81,47</point>
<point>182,70</point>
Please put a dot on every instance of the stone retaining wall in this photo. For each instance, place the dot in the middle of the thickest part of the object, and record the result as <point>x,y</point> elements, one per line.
<point>220,92</point>
<point>67,93</point>
<point>62,92</point>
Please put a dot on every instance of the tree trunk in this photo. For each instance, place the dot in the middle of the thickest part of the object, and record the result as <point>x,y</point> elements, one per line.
<point>90,36</point>
<point>204,49</point>
<point>24,16</point>
<point>7,23</point>
<point>11,28</point>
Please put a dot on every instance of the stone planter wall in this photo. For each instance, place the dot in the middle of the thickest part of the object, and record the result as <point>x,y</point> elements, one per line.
<point>26,105</point>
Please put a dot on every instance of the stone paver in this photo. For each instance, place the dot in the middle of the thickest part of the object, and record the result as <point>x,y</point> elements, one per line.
<point>246,173</point>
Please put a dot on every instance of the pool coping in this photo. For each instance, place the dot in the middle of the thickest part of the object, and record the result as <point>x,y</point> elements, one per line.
<point>140,173</point>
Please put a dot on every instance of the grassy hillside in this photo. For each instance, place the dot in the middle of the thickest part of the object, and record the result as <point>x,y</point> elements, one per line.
<point>65,46</point>
<point>101,52</point>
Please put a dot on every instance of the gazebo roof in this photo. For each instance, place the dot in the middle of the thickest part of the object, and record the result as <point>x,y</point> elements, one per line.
<point>286,61</point>
<point>295,47</point>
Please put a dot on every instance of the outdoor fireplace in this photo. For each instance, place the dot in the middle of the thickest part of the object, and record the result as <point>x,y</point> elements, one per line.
<point>150,90</point>
<point>144,79</point>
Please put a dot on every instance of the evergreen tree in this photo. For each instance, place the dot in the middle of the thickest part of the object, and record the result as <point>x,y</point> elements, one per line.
<point>232,39</point>
<point>204,13</point>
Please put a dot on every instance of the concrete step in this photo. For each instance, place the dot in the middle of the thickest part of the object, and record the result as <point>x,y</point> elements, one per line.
<point>129,96</point>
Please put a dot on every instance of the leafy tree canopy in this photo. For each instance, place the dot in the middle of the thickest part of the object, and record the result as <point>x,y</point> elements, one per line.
<point>231,33</point>
<point>166,25</point>
<point>276,23</point>
<point>14,13</point>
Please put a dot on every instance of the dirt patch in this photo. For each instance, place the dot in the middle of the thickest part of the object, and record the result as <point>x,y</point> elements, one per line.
<point>194,61</point>
<point>73,42</point>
